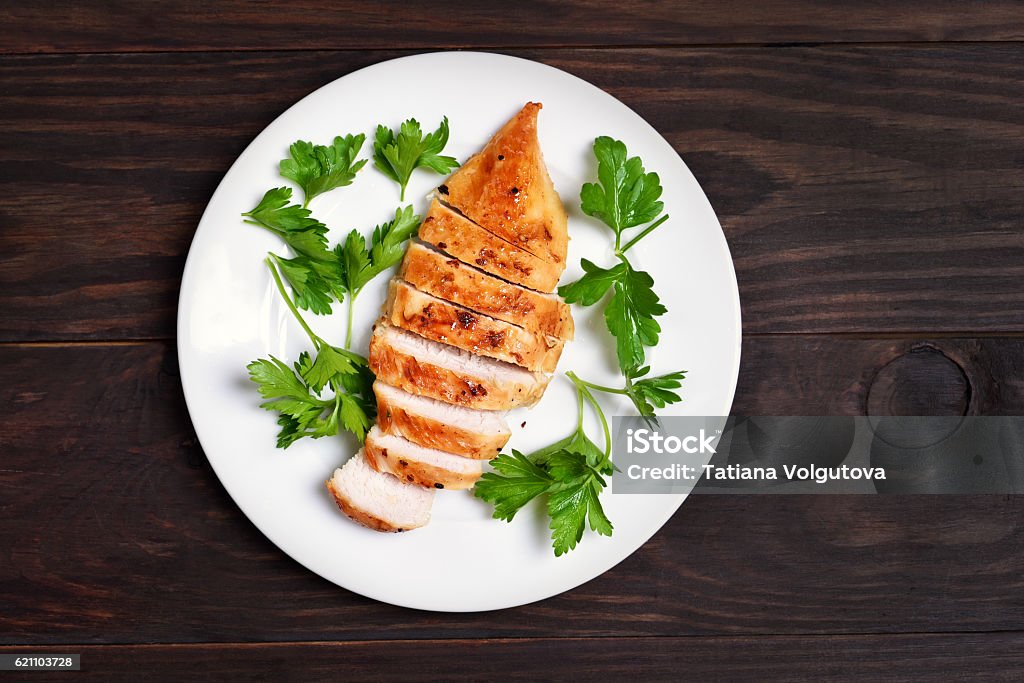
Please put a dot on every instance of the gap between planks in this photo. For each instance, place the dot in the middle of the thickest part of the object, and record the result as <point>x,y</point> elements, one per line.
<point>864,635</point>
<point>920,44</point>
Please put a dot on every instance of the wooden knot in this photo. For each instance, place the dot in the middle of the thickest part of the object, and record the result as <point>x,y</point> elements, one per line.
<point>922,381</point>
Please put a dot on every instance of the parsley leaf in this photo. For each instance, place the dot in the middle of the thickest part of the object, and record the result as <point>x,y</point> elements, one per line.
<point>653,392</point>
<point>293,223</point>
<point>359,265</point>
<point>319,168</point>
<point>329,364</point>
<point>286,393</point>
<point>311,283</point>
<point>630,317</point>
<point>516,481</point>
<point>398,155</point>
<point>353,262</point>
<point>625,196</point>
<point>629,314</point>
<point>387,246</point>
<point>566,473</point>
<point>575,501</point>
<point>295,394</point>
<point>594,284</point>
<point>356,264</point>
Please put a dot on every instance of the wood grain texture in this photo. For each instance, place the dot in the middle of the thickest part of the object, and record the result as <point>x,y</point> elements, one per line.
<point>120,26</point>
<point>824,375</point>
<point>974,657</point>
<point>116,529</point>
<point>862,189</point>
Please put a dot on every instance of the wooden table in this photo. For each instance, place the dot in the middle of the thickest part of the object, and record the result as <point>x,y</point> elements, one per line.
<point>867,166</point>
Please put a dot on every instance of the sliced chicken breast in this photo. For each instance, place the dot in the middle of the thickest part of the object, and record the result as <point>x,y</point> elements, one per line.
<point>507,190</point>
<point>433,272</point>
<point>468,242</point>
<point>377,500</point>
<point>478,434</point>
<point>444,322</point>
<point>426,368</point>
<point>415,464</point>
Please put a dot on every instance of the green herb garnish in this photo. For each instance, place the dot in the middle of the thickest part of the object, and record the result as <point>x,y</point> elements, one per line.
<point>357,265</point>
<point>319,168</point>
<point>625,197</point>
<point>397,155</point>
<point>570,472</point>
<point>295,394</point>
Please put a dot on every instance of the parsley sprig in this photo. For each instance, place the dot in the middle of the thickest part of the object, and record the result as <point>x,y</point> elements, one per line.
<point>397,155</point>
<point>570,473</point>
<point>358,264</point>
<point>321,168</point>
<point>319,276</point>
<point>624,198</point>
<point>646,393</point>
<point>296,393</point>
<point>292,223</point>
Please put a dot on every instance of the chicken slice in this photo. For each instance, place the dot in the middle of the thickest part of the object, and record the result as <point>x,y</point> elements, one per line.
<point>430,271</point>
<point>444,322</point>
<point>426,368</point>
<point>507,190</point>
<point>415,464</point>
<point>478,434</point>
<point>379,501</point>
<point>468,242</point>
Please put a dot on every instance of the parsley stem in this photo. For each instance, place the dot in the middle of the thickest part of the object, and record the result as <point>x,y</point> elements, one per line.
<point>348,327</point>
<point>646,231</point>
<point>607,390</point>
<point>579,409</point>
<point>604,425</point>
<point>581,387</point>
<point>317,341</point>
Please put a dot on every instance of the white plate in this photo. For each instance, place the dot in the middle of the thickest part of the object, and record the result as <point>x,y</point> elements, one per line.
<point>230,314</point>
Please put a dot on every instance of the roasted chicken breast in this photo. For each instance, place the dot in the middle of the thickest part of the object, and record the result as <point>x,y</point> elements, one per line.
<point>507,190</point>
<point>433,272</point>
<point>379,501</point>
<point>426,368</point>
<point>445,322</point>
<point>471,327</point>
<point>477,434</point>
<point>465,240</point>
<point>420,465</point>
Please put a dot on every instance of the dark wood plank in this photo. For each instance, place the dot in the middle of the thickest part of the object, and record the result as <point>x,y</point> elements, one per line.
<point>823,375</point>
<point>965,657</point>
<point>862,189</point>
<point>116,530</point>
<point>118,26</point>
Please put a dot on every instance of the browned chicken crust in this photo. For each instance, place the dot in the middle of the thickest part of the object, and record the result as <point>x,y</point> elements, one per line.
<point>507,190</point>
<point>468,242</point>
<point>419,473</point>
<point>442,321</point>
<point>424,378</point>
<point>448,278</point>
<point>359,515</point>
<point>393,418</point>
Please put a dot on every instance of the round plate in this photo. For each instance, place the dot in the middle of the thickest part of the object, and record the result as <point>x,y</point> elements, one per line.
<point>230,314</point>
